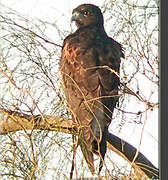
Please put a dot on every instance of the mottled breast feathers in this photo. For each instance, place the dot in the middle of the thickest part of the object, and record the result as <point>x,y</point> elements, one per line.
<point>87,57</point>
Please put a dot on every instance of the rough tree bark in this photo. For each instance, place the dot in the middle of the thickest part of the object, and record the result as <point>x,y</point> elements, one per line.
<point>12,121</point>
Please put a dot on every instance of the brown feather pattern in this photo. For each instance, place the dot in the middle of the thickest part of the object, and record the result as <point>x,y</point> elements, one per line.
<point>90,87</point>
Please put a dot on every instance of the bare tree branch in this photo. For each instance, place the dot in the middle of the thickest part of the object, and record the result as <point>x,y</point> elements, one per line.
<point>33,33</point>
<point>14,121</point>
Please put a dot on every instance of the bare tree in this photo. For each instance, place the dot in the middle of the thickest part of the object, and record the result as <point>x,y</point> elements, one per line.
<point>35,121</point>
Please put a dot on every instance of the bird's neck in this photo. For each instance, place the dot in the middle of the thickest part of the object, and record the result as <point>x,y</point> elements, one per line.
<point>97,28</point>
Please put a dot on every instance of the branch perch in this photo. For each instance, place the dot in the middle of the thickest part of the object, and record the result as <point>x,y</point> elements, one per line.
<point>12,121</point>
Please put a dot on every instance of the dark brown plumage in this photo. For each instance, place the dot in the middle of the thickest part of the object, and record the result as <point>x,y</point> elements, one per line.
<point>89,66</point>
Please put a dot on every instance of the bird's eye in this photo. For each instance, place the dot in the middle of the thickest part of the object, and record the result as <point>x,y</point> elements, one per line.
<point>86,13</point>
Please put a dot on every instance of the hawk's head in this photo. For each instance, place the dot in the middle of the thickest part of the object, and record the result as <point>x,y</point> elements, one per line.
<point>87,14</point>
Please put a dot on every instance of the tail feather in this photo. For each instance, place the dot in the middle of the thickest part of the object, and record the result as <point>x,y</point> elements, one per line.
<point>88,155</point>
<point>103,148</point>
<point>100,149</point>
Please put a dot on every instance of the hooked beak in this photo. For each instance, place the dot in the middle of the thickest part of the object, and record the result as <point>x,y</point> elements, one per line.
<point>76,16</point>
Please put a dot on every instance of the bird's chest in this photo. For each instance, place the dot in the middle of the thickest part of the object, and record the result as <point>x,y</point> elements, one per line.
<point>75,50</point>
<point>79,57</point>
<point>79,66</point>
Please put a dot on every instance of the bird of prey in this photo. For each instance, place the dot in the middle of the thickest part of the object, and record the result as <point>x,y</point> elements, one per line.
<point>89,66</point>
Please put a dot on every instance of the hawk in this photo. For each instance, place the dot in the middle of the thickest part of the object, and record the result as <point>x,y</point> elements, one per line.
<point>89,66</point>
